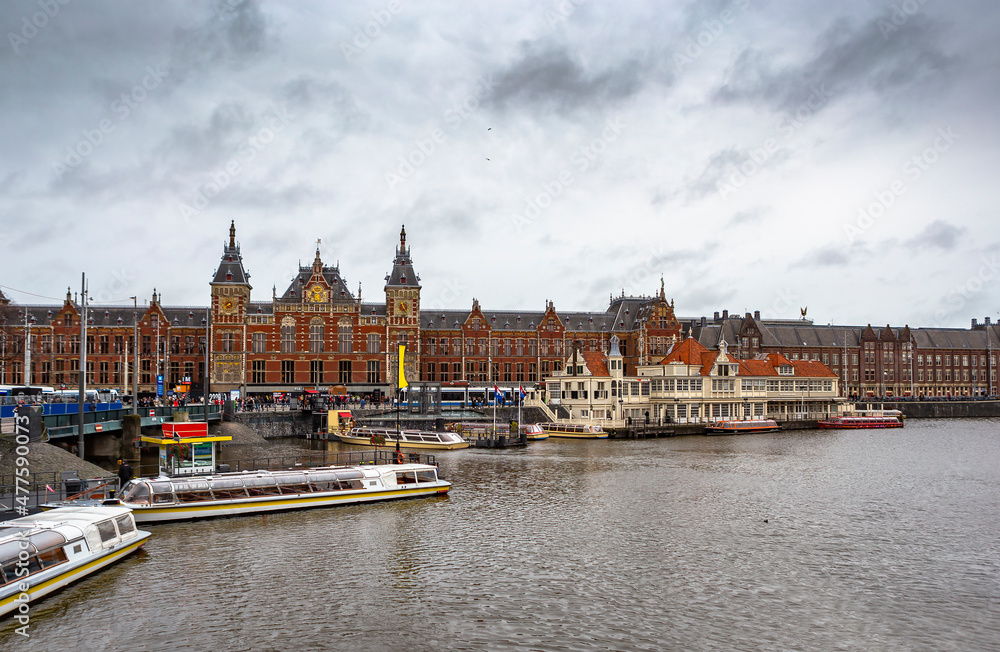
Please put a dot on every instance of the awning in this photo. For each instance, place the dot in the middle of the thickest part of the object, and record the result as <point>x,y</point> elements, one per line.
<point>344,415</point>
<point>311,391</point>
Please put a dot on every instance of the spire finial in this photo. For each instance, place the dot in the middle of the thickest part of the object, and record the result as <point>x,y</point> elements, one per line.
<point>402,238</point>
<point>232,234</point>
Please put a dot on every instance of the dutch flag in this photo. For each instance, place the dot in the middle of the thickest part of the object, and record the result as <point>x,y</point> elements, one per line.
<point>520,389</point>
<point>497,395</point>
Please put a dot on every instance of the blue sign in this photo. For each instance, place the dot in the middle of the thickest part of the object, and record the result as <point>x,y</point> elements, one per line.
<point>159,385</point>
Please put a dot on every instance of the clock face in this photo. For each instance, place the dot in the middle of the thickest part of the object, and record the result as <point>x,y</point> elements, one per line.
<point>228,306</point>
<point>404,307</point>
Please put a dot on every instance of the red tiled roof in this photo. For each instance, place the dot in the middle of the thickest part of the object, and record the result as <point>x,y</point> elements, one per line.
<point>597,362</point>
<point>812,369</point>
<point>687,352</point>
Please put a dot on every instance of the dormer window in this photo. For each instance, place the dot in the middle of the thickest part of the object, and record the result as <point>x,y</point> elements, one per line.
<point>785,370</point>
<point>229,276</point>
<point>402,280</point>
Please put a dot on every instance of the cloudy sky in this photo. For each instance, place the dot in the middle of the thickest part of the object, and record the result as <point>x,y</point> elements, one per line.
<point>758,155</point>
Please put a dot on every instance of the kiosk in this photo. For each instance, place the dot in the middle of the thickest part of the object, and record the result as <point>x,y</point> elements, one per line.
<point>186,448</point>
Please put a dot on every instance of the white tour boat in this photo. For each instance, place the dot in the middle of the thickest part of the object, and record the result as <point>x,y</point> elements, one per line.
<point>154,500</point>
<point>426,439</point>
<point>42,553</point>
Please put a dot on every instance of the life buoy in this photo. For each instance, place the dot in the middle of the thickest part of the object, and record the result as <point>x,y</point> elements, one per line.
<point>399,457</point>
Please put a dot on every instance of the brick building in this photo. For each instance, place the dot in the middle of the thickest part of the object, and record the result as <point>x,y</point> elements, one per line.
<point>318,333</point>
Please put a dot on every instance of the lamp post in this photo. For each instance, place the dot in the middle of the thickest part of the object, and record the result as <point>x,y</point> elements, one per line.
<point>135,355</point>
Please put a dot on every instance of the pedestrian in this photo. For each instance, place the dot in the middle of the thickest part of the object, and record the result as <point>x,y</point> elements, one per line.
<point>124,473</point>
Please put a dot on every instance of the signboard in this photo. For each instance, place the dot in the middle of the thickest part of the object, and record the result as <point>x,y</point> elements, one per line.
<point>159,384</point>
<point>234,394</point>
<point>152,413</point>
<point>185,429</point>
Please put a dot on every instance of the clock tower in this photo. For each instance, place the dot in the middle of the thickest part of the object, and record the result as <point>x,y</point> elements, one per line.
<point>230,300</point>
<point>402,309</point>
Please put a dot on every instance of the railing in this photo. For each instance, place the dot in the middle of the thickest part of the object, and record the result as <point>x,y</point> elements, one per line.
<point>387,455</point>
<point>37,488</point>
<point>533,402</point>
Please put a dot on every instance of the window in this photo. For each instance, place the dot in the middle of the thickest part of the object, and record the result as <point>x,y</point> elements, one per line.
<point>373,371</point>
<point>257,375</point>
<point>345,333</point>
<point>374,343</point>
<point>228,341</point>
<point>288,335</point>
<point>345,371</point>
<point>316,372</point>
<point>288,371</point>
<point>317,332</point>
<point>259,343</point>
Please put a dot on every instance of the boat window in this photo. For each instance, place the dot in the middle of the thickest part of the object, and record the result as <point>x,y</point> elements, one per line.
<point>324,481</point>
<point>47,539</point>
<point>52,557</point>
<point>125,524</point>
<point>294,483</point>
<point>163,492</point>
<point>261,486</point>
<point>137,495</point>
<point>8,573</point>
<point>9,551</point>
<point>426,476</point>
<point>405,477</point>
<point>107,530</point>
<point>228,488</point>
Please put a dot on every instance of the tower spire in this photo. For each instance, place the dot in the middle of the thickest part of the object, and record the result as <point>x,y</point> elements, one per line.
<point>232,234</point>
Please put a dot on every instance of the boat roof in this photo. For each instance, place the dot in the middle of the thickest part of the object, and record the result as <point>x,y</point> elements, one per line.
<point>369,470</point>
<point>78,516</point>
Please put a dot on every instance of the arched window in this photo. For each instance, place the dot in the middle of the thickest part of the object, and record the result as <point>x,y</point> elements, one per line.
<point>228,341</point>
<point>316,334</point>
<point>345,331</point>
<point>288,335</point>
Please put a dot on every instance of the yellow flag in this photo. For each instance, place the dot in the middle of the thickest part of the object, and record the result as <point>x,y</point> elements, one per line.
<point>402,372</point>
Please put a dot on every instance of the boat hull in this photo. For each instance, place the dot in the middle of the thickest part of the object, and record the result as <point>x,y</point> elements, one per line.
<point>578,435</point>
<point>42,585</point>
<point>264,504</point>
<point>866,426</point>
<point>391,443</point>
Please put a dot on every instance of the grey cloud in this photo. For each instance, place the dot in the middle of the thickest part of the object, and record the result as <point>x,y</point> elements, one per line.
<point>235,33</point>
<point>751,216</point>
<point>938,234</point>
<point>824,257</point>
<point>727,163</point>
<point>847,59</point>
<point>552,78</point>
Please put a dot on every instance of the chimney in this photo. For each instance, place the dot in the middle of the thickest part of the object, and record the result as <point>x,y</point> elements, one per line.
<point>756,315</point>
<point>974,323</point>
<point>725,314</point>
<point>716,318</point>
<point>703,320</point>
<point>987,321</point>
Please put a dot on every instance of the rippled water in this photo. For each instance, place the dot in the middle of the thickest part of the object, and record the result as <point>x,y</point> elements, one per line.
<point>819,540</point>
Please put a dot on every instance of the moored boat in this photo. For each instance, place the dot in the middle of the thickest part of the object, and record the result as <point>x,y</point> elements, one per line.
<point>42,553</point>
<point>383,437</point>
<point>737,426</point>
<point>534,432</point>
<point>851,423</point>
<point>531,432</point>
<point>574,430</point>
<point>250,492</point>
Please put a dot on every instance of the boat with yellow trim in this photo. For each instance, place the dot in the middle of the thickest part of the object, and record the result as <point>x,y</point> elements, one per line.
<point>386,437</point>
<point>574,430</point>
<point>42,553</point>
<point>154,500</point>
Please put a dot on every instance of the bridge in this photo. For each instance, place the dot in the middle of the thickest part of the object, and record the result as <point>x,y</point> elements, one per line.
<point>62,419</point>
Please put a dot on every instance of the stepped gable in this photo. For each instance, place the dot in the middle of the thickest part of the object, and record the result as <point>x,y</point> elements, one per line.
<point>231,270</point>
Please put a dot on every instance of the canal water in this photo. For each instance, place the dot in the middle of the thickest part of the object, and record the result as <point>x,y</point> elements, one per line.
<point>814,540</point>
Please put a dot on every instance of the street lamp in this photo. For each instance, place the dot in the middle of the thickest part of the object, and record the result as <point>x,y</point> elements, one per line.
<point>135,355</point>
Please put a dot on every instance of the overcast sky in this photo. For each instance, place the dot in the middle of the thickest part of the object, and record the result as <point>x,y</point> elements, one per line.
<point>758,155</point>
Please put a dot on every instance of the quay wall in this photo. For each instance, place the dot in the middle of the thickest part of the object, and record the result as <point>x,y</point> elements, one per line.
<point>943,409</point>
<point>277,424</point>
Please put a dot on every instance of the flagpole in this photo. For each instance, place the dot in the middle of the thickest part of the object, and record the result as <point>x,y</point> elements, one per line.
<point>494,410</point>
